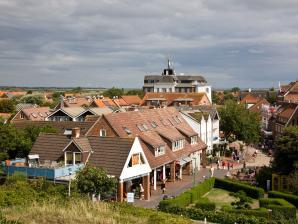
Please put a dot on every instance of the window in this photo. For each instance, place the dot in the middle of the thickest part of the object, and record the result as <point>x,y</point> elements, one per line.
<point>179,144</point>
<point>153,124</point>
<point>78,157</point>
<point>140,127</point>
<point>193,140</point>
<point>69,158</point>
<point>102,133</point>
<point>127,130</point>
<point>160,151</point>
<point>136,159</point>
<point>145,127</point>
<point>22,115</point>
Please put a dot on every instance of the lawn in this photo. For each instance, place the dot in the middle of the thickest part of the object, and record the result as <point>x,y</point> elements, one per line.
<point>223,198</point>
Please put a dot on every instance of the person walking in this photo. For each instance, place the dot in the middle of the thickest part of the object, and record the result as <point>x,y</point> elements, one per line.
<point>211,170</point>
<point>228,165</point>
<point>218,163</point>
<point>163,186</point>
<point>223,165</point>
<point>141,192</point>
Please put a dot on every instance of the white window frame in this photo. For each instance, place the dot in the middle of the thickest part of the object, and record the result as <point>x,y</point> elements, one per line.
<point>102,132</point>
<point>160,151</point>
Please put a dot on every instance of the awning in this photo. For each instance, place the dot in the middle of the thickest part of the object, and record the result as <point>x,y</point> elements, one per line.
<point>34,156</point>
<point>184,160</point>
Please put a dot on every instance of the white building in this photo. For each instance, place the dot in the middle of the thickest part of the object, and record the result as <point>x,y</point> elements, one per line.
<point>205,121</point>
<point>168,81</point>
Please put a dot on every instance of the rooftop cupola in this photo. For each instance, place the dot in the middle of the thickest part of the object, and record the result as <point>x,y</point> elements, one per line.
<point>169,70</point>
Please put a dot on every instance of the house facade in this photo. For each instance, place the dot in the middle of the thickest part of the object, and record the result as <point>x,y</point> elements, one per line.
<point>168,81</point>
<point>172,147</point>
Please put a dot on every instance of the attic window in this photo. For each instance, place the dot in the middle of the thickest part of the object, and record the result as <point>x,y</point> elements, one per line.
<point>34,115</point>
<point>136,159</point>
<point>126,129</point>
<point>141,127</point>
<point>145,127</point>
<point>179,119</point>
<point>40,114</point>
<point>153,124</point>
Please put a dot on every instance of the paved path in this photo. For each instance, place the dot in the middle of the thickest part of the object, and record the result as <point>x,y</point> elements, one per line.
<point>177,187</point>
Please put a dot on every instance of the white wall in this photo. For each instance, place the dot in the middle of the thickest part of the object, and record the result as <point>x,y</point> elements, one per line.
<point>137,170</point>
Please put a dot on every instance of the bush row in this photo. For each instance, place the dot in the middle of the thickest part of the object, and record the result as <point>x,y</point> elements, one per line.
<point>261,212</point>
<point>280,207</point>
<point>190,196</point>
<point>254,192</point>
<point>205,204</point>
<point>293,199</point>
<point>215,216</point>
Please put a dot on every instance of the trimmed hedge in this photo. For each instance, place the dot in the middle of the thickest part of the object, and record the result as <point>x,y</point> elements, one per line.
<point>293,199</point>
<point>205,204</point>
<point>261,212</point>
<point>280,207</point>
<point>190,196</point>
<point>253,192</point>
<point>215,216</point>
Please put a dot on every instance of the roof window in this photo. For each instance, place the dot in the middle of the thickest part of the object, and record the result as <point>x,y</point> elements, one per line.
<point>153,124</point>
<point>127,130</point>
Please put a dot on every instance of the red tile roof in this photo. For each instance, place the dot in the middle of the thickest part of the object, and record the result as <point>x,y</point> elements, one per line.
<point>132,100</point>
<point>195,98</point>
<point>36,113</point>
<point>258,106</point>
<point>250,99</point>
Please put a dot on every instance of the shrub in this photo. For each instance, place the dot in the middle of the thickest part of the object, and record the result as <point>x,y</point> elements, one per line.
<point>293,199</point>
<point>261,212</point>
<point>280,208</point>
<point>205,204</point>
<point>190,196</point>
<point>233,186</point>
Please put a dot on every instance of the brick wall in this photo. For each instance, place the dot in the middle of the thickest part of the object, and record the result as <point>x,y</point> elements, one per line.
<point>102,124</point>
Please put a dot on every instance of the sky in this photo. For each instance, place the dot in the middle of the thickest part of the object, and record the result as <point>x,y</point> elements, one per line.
<point>105,43</point>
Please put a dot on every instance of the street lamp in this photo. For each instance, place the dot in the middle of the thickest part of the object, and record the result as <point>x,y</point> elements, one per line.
<point>69,180</point>
<point>194,171</point>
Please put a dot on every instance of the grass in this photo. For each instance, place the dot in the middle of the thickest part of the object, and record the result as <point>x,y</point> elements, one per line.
<point>85,211</point>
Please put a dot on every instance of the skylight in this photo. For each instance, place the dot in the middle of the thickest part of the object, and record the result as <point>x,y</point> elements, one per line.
<point>126,129</point>
<point>153,124</point>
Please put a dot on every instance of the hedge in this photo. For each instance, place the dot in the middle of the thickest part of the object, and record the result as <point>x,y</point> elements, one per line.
<point>190,196</point>
<point>253,192</point>
<point>280,207</point>
<point>215,216</point>
<point>205,204</point>
<point>261,212</point>
<point>293,199</point>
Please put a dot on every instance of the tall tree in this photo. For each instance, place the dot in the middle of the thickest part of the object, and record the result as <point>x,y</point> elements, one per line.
<point>236,121</point>
<point>112,92</point>
<point>7,106</point>
<point>286,151</point>
<point>33,99</point>
<point>93,180</point>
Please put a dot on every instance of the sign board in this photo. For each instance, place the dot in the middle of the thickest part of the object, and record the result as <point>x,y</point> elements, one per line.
<point>130,197</point>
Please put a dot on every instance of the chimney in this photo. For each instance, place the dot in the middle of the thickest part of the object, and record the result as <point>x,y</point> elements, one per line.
<point>75,133</point>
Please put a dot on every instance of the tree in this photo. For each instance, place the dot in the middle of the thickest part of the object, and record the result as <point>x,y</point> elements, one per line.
<point>236,120</point>
<point>229,96</point>
<point>215,97</point>
<point>31,133</point>
<point>138,92</point>
<point>235,89</point>
<point>286,151</point>
<point>112,92</point>
<point>7,106</point>
<point>33,99</point>
<point>76,90</point>
<point>93,180</point>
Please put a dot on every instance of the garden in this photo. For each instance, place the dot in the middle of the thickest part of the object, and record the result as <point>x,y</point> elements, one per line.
<point>227,202</point>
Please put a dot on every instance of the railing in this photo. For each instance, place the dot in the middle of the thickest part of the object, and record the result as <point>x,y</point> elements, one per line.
<point>48,173</point>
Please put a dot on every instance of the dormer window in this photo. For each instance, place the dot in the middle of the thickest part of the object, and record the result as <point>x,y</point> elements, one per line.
<point>160,150</point>
<point>103,133</point>
<point>136,159</point>
<point>177,145</point>
<point>193,140</point>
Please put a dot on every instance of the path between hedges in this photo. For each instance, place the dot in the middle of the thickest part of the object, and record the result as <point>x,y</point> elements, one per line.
<point>176,188</point>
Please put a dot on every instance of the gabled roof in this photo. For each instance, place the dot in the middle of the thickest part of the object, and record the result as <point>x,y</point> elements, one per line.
<point>21,106</point>
<point>250,99</point>
<point>258,106</point>
<point>36,113</point>
<point>153,126</point>
<point>70,111</point>
<point>195,98</point>
<point>132,99</point>
<point>77,101</point>
<point>60,126</point>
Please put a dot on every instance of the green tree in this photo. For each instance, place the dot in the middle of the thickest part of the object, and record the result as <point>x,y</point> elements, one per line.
<point>235,89</point>
<point>31,133</point>
<point>113,92</point>
<point>138,92</point>
<point>33,99</point>
<point>7,106</point>
<point>76,90</point>
<point>229,96</point>
<point>93,180</point>
<point>237,121</point>
<point>215,98</point>
<point>286,150</point>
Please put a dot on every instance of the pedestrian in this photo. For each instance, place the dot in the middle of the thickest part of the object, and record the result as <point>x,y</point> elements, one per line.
<point>228,165</point>
<point>141,192</point>
<point>163,186</point>
<point>218,163</point>
<point>223,165</point>
<point>232,165</point>
<point>211,170</point>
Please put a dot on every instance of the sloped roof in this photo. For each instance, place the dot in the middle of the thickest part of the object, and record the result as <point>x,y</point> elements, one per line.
<point>60,126</point>
<point>250,99</point>
<point>132,99</point>
<point>76,102</point>
<point>21,106</point>
<point>101,111</point>
<point>36,113</point>
<point>171,97</point>
<point>153,126</point>
<point>258,106</point>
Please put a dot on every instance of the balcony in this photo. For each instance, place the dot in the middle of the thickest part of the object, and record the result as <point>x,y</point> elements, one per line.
<point>48,172</point>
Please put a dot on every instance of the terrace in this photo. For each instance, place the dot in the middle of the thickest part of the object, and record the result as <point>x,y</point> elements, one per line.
<point>50,170</point>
